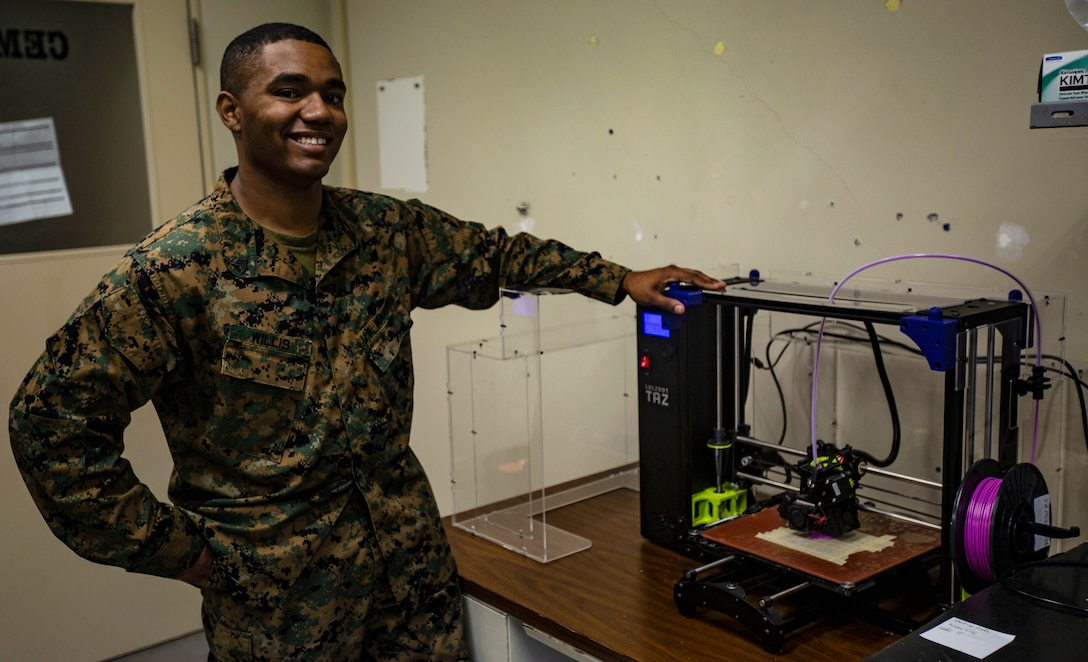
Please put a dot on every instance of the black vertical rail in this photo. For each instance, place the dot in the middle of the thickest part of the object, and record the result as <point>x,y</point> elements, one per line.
<point>1008,449</point>
<point>952,472</point>
<point>730,343</point>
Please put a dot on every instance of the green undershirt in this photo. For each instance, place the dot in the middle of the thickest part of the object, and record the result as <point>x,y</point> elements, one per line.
<point>303,248</point>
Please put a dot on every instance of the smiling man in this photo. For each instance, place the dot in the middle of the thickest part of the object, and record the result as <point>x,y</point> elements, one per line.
<point>269,325</point>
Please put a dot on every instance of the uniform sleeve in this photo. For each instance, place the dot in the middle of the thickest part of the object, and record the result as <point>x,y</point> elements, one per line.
<point>67,422</point>
<point>460,262</point>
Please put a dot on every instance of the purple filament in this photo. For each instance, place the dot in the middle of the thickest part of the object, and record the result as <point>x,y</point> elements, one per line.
<point>977,525</point>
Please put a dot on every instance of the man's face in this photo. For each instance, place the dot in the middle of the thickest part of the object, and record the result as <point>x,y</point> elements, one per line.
<point>289,121</point>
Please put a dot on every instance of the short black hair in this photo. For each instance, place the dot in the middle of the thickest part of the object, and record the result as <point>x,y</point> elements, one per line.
<point>244,50</point>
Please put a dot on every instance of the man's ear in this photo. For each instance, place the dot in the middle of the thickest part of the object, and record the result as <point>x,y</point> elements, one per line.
<point>226,104</point>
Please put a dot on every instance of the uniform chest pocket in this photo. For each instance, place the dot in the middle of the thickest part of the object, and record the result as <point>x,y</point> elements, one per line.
<point>385,332</point>
<point>266,358</point>
<point>257,402</point>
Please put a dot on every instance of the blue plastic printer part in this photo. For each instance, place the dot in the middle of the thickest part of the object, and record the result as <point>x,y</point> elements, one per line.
<point>935,335</point>
<point>685,293</point>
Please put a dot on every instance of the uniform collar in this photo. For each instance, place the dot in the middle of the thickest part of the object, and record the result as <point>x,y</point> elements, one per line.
<point>249,253</point>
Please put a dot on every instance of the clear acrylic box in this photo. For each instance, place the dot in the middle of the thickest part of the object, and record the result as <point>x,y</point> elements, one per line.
<point>541,416</point>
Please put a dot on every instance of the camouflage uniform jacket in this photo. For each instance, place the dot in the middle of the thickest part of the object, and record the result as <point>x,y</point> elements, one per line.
<point>279,391</point>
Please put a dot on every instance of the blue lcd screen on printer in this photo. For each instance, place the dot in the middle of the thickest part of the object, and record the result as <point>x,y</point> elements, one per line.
<point>652,325</point>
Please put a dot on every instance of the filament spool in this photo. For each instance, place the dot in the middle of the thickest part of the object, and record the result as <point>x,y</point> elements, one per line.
<point>992,523</point>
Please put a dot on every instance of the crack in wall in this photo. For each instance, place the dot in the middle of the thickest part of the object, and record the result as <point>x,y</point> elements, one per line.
<point>748,88</point>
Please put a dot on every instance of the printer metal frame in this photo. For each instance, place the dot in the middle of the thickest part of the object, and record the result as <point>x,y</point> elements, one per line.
<point>692,385</point>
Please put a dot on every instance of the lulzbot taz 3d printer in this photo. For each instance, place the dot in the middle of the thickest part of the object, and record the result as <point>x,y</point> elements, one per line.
<point>762,516</point>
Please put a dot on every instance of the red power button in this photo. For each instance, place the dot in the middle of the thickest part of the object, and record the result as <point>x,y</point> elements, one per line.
<point>644,362</point>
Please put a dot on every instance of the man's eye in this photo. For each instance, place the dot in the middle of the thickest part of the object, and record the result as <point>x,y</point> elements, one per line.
<point>287,94</point>
<point>334,98</point>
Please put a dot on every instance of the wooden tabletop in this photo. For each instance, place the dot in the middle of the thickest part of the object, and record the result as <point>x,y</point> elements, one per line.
<point>614,600</point>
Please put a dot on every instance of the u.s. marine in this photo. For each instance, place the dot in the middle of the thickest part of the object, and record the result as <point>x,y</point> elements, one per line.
<point>269,326</point>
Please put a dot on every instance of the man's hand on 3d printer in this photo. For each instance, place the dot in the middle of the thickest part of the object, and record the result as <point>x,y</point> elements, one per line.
<point>648,287</point>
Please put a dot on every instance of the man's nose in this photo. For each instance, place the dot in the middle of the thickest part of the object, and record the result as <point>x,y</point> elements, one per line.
<point>316,109</point>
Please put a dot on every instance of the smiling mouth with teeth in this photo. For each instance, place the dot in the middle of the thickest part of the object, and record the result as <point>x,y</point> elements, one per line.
<point>306,140</point>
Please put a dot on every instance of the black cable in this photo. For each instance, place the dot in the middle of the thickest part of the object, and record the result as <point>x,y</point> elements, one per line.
<point>1071,372</point>
<point>875,340</point>
<point>889,396</point>
<point>810,329</point>
<point>765,458</point>
<point>778,386</point>
<point>774,375</point>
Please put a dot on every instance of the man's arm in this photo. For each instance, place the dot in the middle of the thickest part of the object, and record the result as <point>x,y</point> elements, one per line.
<point>454,261</point>
<point>648,287</point>
<point>459,262</point>
<point>66,428</point>
<point>197,575</point>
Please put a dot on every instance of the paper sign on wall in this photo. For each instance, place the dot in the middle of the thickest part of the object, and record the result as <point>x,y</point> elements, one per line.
<point>402,140</point>
<point>32,183</point>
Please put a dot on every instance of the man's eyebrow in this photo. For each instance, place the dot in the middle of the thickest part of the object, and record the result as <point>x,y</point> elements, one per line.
<point>299,78</point>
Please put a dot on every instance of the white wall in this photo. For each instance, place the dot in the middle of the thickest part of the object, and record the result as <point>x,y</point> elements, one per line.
<point>793,146</point>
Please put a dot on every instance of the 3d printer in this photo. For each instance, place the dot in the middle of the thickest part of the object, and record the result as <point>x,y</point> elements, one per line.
<point>703,471</point>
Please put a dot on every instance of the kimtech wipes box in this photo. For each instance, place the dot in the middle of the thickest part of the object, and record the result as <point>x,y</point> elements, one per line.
<point>1064,76</point>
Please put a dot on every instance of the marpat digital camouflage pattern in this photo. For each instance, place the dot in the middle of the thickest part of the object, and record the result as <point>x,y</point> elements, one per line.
<point>284,396</point>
